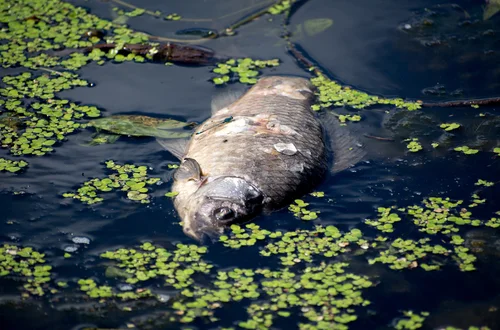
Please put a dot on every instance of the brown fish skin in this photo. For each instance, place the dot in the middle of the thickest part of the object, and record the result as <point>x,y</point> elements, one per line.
<point>271,151</point>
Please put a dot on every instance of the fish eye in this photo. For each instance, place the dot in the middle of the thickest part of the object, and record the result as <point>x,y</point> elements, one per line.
<point>224,214</point>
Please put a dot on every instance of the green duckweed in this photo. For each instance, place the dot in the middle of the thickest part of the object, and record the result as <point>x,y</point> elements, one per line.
<point>28,265</point>
<point>90,287</point>
<point>345,118</point>
<point>385,221</point>
<point>280,7</point>
<point>481,182</point>
<point>409,254</point>
<point>450,126</point>
<point>176,268</point>
<point>246,70</point>
<point>35,129</point>
<point>413,145</point>
<point>466,150</point>
<point>493,223</point>
<point>330,93</point>
<point>173,17</point>
<point>129,178</point>
<point>436,216</point>
<point>303,245</point>
<point>171,194</point>
<point>245,236</point>
<point>476,200</point>
<point>411,320</point>
<point>299,209</point>
<point>12,165</point>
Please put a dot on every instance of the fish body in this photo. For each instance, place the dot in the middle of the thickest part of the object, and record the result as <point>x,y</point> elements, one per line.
<point>254,155</point>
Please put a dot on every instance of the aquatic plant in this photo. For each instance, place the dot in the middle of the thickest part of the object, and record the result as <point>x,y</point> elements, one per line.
<point>299,209</point>
<point>449,127</point>
<point>130,178</point>
<point>481,182</point>
<point>90,287</point>
<point>245,236</point>
<point>280,7</point>
<point>318,194</point>
<point>173,17</point>
<point>35,129</point>
<point>344,118</point>
<point>28,265</point>
<point>411,320</point>
<point>150,261</point>
<point>413,145</point>
<point>171,194</point>
<point>437,216</point>
<point>12,165</point>
<point>466,150</point>
<point>385,221</point>
<point>330,93</point>
<point>409,254</point>
<point>246,70</point>
<point>302,245</point>
<point>326,293</point>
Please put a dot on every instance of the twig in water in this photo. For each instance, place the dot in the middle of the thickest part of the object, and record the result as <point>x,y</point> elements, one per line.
<point>51,71</point>
<point>464,103</point>
<point>230,29</point>
<point>302,59</point>
<point>379,138</point>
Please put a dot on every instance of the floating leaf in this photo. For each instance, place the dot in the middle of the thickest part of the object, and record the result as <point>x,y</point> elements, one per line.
<point>492,8</point>
<point>315,26</point>
<point>143,126</point>
<point>449,127</point>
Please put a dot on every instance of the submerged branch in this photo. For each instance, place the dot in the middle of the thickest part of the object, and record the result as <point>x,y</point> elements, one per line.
<point>464,103</point>
<point>303,59</point>
<point>131,6</point>
<point>170,52</point>
<point>184,19</point>
<point>51,71</point>
<point>186,41</point>
<point>247,19</point>
<point>378,138</point>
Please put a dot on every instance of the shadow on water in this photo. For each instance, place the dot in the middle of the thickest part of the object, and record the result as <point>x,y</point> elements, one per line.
<point>367,48</point>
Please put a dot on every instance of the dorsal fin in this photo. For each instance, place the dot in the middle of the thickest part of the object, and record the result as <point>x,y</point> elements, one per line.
<point>188,170</point>
<point>225,99</point>
<point>176,147</point>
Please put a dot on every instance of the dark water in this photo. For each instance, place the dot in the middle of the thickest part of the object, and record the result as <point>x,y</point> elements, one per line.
<point>365,48</point>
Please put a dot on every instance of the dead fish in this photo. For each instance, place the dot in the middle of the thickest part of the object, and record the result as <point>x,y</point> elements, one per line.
<point>255,154</point>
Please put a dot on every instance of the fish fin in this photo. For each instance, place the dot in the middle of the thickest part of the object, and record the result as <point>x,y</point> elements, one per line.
<point>188,170</point>
<point>346,148</point>
<point>176,147</point>
<point>225,99</point>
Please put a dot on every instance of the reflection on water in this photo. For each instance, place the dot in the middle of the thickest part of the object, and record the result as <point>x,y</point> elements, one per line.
<point>382,47</point>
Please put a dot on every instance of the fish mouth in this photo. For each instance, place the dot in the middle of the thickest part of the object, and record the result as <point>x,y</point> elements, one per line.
<point>204,233</point>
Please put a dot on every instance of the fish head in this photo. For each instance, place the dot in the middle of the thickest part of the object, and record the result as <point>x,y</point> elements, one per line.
<point>219,203</point>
